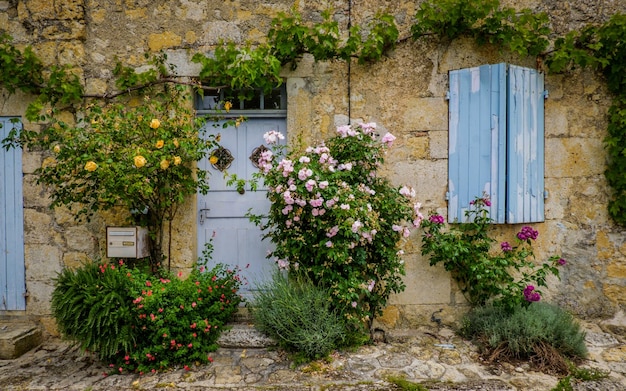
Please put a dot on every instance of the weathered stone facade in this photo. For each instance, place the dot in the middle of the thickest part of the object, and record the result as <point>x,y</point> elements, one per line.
<point>404,93</point>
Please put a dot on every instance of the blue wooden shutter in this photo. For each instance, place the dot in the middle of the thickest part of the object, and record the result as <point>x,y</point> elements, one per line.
<point>525,152</point>
<point>12,284</point>
<point>477,139</point>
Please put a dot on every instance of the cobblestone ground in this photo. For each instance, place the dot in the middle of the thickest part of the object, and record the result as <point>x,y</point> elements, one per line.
<point>439,360</point>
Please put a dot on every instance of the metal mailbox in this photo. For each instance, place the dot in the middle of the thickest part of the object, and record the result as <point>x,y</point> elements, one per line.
<point>127,242</point>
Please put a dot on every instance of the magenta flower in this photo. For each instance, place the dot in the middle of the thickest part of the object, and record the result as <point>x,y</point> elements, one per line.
<point>527,233</point>
<point>437,219</point>
<point>561,261</point>
<point>530,295</point>
<point>505,246</point>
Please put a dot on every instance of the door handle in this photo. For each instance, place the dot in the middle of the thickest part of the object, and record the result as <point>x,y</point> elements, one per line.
<point>204,214</point>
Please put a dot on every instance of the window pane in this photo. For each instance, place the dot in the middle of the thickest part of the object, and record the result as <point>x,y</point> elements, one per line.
<point>273,100</point>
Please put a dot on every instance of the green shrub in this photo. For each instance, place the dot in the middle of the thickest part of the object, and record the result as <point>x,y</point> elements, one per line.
<point>298,315</point>
<point>93,306</point>
<point>140,322</point>
<point>540,332</point>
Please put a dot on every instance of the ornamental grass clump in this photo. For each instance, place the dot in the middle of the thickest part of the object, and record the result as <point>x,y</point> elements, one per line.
<point>139,322</point>
<point>336,221</point>
<point>504,275</point>
<point>542,333</point>
<point>299,316</point>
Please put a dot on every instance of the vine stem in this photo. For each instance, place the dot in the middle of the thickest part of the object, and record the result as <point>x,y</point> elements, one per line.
<point>167,80</point>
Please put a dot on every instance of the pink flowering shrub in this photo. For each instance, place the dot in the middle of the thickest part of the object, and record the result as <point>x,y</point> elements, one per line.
<point>139,322</point>
<point>334,219</point>
<point>502,274</point>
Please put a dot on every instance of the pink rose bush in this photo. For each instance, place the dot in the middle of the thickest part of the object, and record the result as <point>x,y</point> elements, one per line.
<point>335,219</point>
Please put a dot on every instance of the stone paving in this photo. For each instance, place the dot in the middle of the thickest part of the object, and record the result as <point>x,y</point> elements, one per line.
<point>436,358</point>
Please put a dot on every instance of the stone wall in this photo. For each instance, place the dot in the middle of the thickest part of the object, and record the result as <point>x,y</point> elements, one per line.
<point>404,93</point>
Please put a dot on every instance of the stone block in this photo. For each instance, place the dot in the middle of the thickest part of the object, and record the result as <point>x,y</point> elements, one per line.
<point>64,30</point>
<point>164,40</point>
<point>39,296</point>
<point>192,11</point>
<point>81,238</point>
<point>244,336</point>
<point>182,60</point>
<point>425,114</point>
<point>438,144</point>
<point>36,10</point>
<point>43,262</point>
<point>429,178</point>
<point>70,9</point>
<point>17,339</point>
<point>34,221</point>
<point>425,284</point>
<point>35,195</point>
<point>46,51</point>
<point>574,157</point>
<point>217,31</point>
<point>31,161</point>
<point>556,121</point>
<point>71,53</point>
<point>75,260</point>
<point>137,13</point>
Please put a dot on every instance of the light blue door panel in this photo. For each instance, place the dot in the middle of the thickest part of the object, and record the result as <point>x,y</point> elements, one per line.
<point>222,212</point>
<point>12,283</point>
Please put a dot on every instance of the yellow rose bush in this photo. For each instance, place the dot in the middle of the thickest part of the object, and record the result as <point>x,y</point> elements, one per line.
<point>141,157</point>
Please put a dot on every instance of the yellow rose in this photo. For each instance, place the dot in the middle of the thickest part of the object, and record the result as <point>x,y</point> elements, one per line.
<point>213,159</point>
<point>91,166</point>
<point>227,106</point>
<point>177,160</point>
<point>159,144</point>
<point>165,164</point>
<point>140,161</point>
<point>57,148</point>
<point>175,141</point>
<point>155,123</point>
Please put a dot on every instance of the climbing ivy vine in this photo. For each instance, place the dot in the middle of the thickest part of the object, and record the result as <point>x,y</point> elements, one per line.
<point>524,32</point>
<point>603,48</point>
<point>521,31</point>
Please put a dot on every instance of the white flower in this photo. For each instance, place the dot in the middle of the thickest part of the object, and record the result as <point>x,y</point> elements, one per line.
<point>273,136</point>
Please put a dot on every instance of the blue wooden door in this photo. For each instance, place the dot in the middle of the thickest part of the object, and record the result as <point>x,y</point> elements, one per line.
<point>12,284</point>
<point>222,212</point>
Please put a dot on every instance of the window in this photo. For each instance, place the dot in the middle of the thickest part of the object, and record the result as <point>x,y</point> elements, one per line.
<point>496,142</point>
<point>246,102</point>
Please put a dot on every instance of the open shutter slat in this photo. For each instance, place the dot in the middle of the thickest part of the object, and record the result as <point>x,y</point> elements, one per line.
<point>525,153</point>
<point>477,112</point>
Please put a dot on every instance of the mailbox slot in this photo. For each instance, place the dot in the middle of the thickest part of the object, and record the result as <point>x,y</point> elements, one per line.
<point>127,242</point>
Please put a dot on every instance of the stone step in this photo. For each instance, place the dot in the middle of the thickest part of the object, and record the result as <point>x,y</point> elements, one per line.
<point>245,336</point>
<point>17,339</point>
